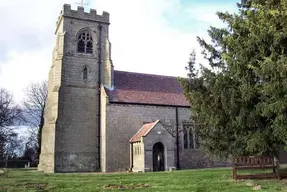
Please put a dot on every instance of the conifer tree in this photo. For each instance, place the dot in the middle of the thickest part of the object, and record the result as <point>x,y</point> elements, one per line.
<point>239,101</point>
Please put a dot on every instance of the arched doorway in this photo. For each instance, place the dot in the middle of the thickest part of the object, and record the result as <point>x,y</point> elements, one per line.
<point>158,157</point>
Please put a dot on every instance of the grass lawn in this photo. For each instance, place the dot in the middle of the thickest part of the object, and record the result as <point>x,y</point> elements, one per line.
<point>199,180</point>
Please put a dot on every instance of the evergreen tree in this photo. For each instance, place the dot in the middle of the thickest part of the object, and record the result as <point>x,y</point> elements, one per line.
<point>239,101</point>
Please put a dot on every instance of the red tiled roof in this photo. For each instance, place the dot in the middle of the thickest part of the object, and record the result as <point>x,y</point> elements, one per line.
<point>146,89</point>
<point>144,130</point>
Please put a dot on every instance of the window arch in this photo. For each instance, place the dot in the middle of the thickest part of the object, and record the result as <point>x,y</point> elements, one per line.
<point>85,42</point>
<point>190,137</point>
<point>85,73</point>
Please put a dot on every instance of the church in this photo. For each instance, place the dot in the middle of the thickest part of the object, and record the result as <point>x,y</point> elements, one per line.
<point>101,119</point>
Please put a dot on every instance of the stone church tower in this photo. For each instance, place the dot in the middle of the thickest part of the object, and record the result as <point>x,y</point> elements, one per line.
<point>81,64</point>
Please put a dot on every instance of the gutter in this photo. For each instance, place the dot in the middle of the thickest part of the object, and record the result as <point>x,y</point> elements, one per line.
<point>149,104</point>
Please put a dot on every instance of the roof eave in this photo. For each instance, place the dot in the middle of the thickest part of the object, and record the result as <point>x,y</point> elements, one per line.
<point>151,104</point>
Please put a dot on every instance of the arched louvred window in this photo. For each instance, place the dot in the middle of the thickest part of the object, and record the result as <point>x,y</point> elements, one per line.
<point>85,73</point>
<point>85,42</point>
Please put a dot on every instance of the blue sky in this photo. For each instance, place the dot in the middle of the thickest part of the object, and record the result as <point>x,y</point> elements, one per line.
<point>189,16</point>
<point>148,36</point>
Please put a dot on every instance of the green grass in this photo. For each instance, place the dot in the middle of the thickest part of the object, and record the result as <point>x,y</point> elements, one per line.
<point>199,180</point>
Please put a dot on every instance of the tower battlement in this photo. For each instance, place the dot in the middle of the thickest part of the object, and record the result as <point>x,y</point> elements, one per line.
<point>81,14</point>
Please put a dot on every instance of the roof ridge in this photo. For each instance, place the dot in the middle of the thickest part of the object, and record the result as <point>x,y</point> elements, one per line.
<point>148,74</point>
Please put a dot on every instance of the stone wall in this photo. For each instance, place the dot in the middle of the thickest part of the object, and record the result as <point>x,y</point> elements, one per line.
<point>123,121</point>
<point>195,158</point>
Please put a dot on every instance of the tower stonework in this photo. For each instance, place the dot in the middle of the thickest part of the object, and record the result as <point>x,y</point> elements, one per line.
<point>81,64</point>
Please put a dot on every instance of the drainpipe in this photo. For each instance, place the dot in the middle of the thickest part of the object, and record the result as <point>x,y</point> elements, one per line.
<point>131,157</point>
<point>177,139</point>
<point>99,94</point>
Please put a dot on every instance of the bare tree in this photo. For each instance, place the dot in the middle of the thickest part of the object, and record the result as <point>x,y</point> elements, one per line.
<point>14,146</point>
<point>10,113</point>
<point>34,110</point>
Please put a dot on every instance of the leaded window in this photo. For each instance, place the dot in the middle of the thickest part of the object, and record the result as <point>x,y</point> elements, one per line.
<point>85,43</point>
<point>190,138</point>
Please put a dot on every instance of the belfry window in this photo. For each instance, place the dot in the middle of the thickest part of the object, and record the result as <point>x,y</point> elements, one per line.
<point>85,43</point>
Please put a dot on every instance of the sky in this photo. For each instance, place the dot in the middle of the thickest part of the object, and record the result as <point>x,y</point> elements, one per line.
<point>147,36</point>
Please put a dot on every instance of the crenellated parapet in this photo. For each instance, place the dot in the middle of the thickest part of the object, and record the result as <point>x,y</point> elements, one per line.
<point>81,14</point>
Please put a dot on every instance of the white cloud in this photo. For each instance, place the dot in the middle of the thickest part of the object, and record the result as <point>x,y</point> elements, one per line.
<point>207,13</point>
<point>24,68</point>
<point>142,39</point>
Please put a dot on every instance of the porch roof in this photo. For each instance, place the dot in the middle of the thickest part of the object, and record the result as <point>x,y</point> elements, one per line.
<point>144,130</point>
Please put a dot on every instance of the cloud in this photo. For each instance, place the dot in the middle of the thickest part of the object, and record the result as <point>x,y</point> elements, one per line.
<point>26,42</point>
<point>143,38</point>
<point>23,68</point>
<point>3,51</point>
<point>206,13</point>
<point>28,25</point>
